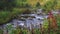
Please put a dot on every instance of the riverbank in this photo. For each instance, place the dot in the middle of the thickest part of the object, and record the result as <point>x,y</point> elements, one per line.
<point>6,16</point>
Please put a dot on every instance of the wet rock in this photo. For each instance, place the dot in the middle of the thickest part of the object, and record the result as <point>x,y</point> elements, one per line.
<point>22,19</point>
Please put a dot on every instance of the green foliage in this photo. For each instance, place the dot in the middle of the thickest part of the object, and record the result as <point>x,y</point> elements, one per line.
<point>16,31</point>
<point>49,5</point>
<point>6,16</point>
<point>1,31</point>
<point>37,31</point>
<point>12,30</point>
<point>45,23</point>
<point>17,11</point>
<point>24,31</point>
<point>38,5</point>
<point>21,3</point>
<point>9,27</point>
<point>7,4</point>
<point>58,21</point>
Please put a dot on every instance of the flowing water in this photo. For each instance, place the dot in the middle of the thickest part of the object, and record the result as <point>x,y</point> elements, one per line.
<point>25,20</point>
